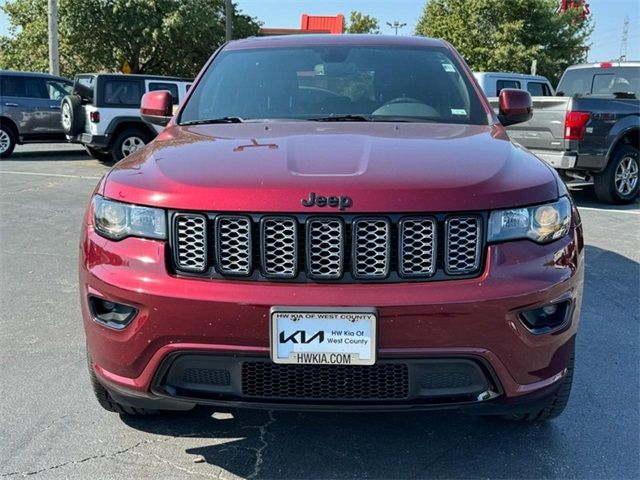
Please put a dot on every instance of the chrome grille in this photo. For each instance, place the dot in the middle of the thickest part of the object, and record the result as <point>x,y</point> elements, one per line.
<point>371,248</point>
<point>418,238</point>
<point>462,254</point>
<point>191,244</point>
<point>279,247</point>
<point>345,248</point>
<point>233,245</point>
<point>325,248</point>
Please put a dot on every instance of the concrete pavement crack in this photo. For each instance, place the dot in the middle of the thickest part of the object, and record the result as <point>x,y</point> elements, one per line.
<point>264,444</point>
<point>175,465</point>
<point>77,462</point>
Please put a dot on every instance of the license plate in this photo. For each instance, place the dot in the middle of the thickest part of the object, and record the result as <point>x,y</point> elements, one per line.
<point>323,336</point>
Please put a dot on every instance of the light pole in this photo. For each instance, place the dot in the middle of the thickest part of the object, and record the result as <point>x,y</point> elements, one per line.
<point>52,14</point>
<point>396,25</point>
<point>228,17</point>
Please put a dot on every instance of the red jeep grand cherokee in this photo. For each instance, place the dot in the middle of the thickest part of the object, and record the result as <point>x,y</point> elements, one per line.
<point>333,222</point>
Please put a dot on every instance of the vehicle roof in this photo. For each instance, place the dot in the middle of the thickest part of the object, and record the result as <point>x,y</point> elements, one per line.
<point>329,39</point>
<point>597,65</point>
<point>512,75</point>
<point>136,75</point>
<point>17,73</point>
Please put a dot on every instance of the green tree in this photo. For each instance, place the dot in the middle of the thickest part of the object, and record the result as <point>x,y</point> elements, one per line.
<point>169,37</point>
<point>497,35</point>
<point>362,23</point>
<point>26,47</point>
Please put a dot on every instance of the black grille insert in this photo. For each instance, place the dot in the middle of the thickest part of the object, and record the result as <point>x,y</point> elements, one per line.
<point>386,381</point>
<point>206,376</point>
<point>440,380</point>
<point>338,248</point>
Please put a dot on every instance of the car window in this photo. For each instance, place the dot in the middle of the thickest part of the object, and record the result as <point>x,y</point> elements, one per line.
<point>417,84</point>
<point>21,86</point>
<point>84,86</point>
<point>538,89</point>
<point>172,87</point>
<point>122,93</point>
<point>500,84</point>
<point>34,88</point>
<point>623,81</point>
<point>615,83</point>
<point>57,89</point>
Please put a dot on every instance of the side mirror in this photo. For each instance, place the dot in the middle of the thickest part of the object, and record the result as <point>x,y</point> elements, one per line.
<point>515,106</point>
<point>157,107</point>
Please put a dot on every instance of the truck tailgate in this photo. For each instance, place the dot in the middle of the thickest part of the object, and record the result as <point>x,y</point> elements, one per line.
<point>545,130</point>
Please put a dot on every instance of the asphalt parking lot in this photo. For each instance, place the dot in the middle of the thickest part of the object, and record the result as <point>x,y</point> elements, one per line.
<point>51,426</point>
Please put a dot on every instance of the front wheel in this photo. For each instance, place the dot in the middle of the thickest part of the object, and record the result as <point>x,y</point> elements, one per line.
<point>129,141</point>
<point>107,402</point>
<point>7,141</point>
<point>554,406</point>
<point>619,181</point>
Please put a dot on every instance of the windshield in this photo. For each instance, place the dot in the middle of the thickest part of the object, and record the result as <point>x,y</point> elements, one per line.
<point>619,81</point>
<point>351,83</point>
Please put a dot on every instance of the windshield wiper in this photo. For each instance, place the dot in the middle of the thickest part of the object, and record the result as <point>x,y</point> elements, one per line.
<point>342,118</point>
<point>215,120</point>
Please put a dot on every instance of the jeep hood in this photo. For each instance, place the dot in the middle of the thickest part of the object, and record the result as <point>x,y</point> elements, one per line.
<point>382,167</point>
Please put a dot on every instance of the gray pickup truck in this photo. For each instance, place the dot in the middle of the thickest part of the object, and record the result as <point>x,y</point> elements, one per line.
<point>590,130</point>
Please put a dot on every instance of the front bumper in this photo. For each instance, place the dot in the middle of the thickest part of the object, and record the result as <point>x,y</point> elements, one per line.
<point>458,319</point>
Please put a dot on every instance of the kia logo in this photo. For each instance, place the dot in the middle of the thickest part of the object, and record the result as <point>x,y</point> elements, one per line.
<point>341,202</point>
<point>300,336</point>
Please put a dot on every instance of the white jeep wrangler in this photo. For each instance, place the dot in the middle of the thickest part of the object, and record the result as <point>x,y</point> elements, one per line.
<point>103,113</point>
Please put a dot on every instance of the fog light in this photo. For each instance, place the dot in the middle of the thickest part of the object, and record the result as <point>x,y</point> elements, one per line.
<point>110,313</point>
<point>547,318</point>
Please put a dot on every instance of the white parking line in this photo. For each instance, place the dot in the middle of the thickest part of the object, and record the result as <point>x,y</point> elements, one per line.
<point>38,174</point>
<point>605,210</point>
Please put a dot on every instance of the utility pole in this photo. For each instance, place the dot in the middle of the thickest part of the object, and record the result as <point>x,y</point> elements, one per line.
<point>228,18</point>
<point>625,36</point>
<point>52,14</point>
<point>396,25</point>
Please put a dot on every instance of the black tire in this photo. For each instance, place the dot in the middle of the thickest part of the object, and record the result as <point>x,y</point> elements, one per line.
<point>128,137</point>
<point>99,154</point>
<point>72,115</point>
<point>108,403</point>
<point>609,186</point>
<point>555,405</point>
<point>8,139</point>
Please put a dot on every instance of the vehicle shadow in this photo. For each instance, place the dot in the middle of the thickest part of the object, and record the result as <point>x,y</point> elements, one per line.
<point>586,197</point>
<point>584,442</point>
<point>292,445</point>
<point>48,155</point>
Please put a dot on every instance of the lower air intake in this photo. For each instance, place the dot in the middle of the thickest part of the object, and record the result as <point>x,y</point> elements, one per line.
<point>325,382</point>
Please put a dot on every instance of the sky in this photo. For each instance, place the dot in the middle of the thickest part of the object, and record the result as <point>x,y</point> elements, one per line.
<point>607,15</point>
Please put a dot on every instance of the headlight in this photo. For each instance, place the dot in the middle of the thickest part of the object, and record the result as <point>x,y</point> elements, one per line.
<point>542,223</point>
<point>116,220</point>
